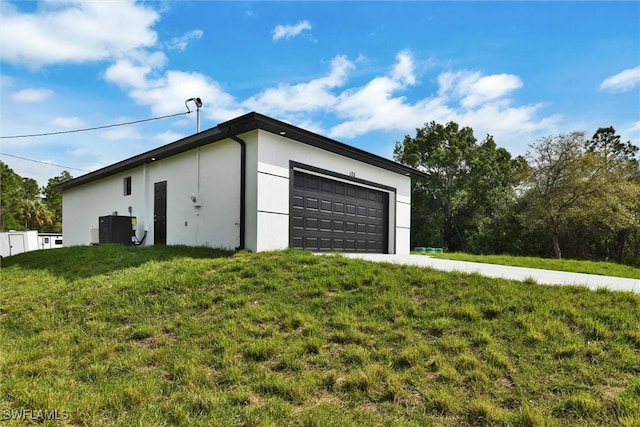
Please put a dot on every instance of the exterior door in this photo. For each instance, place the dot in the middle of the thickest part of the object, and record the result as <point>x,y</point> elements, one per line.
<point>160,213</point>
<point>329,215</point>
<point>16,244</point>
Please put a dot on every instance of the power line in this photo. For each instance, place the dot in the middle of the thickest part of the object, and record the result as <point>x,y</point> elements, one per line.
<point>44,163</point>
<point>94,128</point>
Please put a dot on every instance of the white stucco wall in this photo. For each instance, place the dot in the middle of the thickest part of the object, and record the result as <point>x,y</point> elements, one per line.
<point>251,217</point>
<point>81,206</point>
<point>215,223</point>
<point>273,170</point>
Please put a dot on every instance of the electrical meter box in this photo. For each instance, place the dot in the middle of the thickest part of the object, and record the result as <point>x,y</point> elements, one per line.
<point>117,229</point>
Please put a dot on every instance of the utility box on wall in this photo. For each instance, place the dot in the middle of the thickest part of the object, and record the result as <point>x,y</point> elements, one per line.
<point>116,229</point>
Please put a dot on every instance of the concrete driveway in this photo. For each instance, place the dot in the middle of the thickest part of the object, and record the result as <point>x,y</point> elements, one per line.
<point>543,277</point>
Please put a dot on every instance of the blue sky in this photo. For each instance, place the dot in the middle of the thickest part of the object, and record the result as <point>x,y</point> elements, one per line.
<point>363,73</point>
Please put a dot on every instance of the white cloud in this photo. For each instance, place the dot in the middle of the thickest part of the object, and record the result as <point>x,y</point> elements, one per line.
<point>311,96</point>
<point>133,72</point>
<point>75,31</point>
<point>167,94</point>
<point>68,122</point>
<point>474,89</point>
<point>466,97</point>
<point>621,82</point>
<point>166,91</point>
<point>373,106</point>
<point>181,43</point>
<point>288,31</point>
<point>31,95</point>
<point>506,123</point>
<point>403,71</point>
<point>126,74</point>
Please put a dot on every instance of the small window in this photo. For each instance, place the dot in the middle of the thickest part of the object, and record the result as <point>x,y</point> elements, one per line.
<point>127,186</point>
<point>46,240</point>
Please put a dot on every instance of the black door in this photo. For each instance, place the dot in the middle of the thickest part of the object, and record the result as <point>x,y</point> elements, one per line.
<point>329,215</point>
<point>160,213</point>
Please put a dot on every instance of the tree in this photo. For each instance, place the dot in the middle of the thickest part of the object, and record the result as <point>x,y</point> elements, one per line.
<point>494,178</point>
<point>583,191</point>
<point>557,184</point>
<point>617,212</point>
<point>35,214</point>
<point>53,200</point>
<point>608,145</point>
<point>466,183</point>
<point>11,196</point>
<point>30,189</point>
<point>23,206</point>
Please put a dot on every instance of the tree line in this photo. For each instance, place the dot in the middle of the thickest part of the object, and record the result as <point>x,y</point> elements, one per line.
<point>26,206</point>
<point>568,196</point>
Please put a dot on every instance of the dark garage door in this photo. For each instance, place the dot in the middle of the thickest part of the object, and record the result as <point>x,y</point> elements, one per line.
<point>328,215</point>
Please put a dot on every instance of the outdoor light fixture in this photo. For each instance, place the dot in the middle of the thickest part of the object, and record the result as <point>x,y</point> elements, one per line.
<point>198,103</point>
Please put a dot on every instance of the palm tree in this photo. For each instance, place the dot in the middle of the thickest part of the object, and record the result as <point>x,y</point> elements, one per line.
<point>35,214</point>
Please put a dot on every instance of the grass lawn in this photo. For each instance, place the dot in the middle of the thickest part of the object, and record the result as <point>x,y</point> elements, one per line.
<point>156,336</point>
<point>572,265</point>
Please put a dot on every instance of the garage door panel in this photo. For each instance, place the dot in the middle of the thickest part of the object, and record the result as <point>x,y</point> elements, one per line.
<point>313,182</point>
<point>297,241</point>
<point>326,206</point>
<point>325,224</point>
<point>325,244</point>
<point>297,222</point>
<point>311,203</point>
<point>311,223</point>
<point>311,242</point>
<point>324,213</point>
<point>298,181</point>
<point>297,201</point>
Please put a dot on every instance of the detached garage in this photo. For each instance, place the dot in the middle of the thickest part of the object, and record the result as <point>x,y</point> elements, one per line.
<point>249,183</point>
